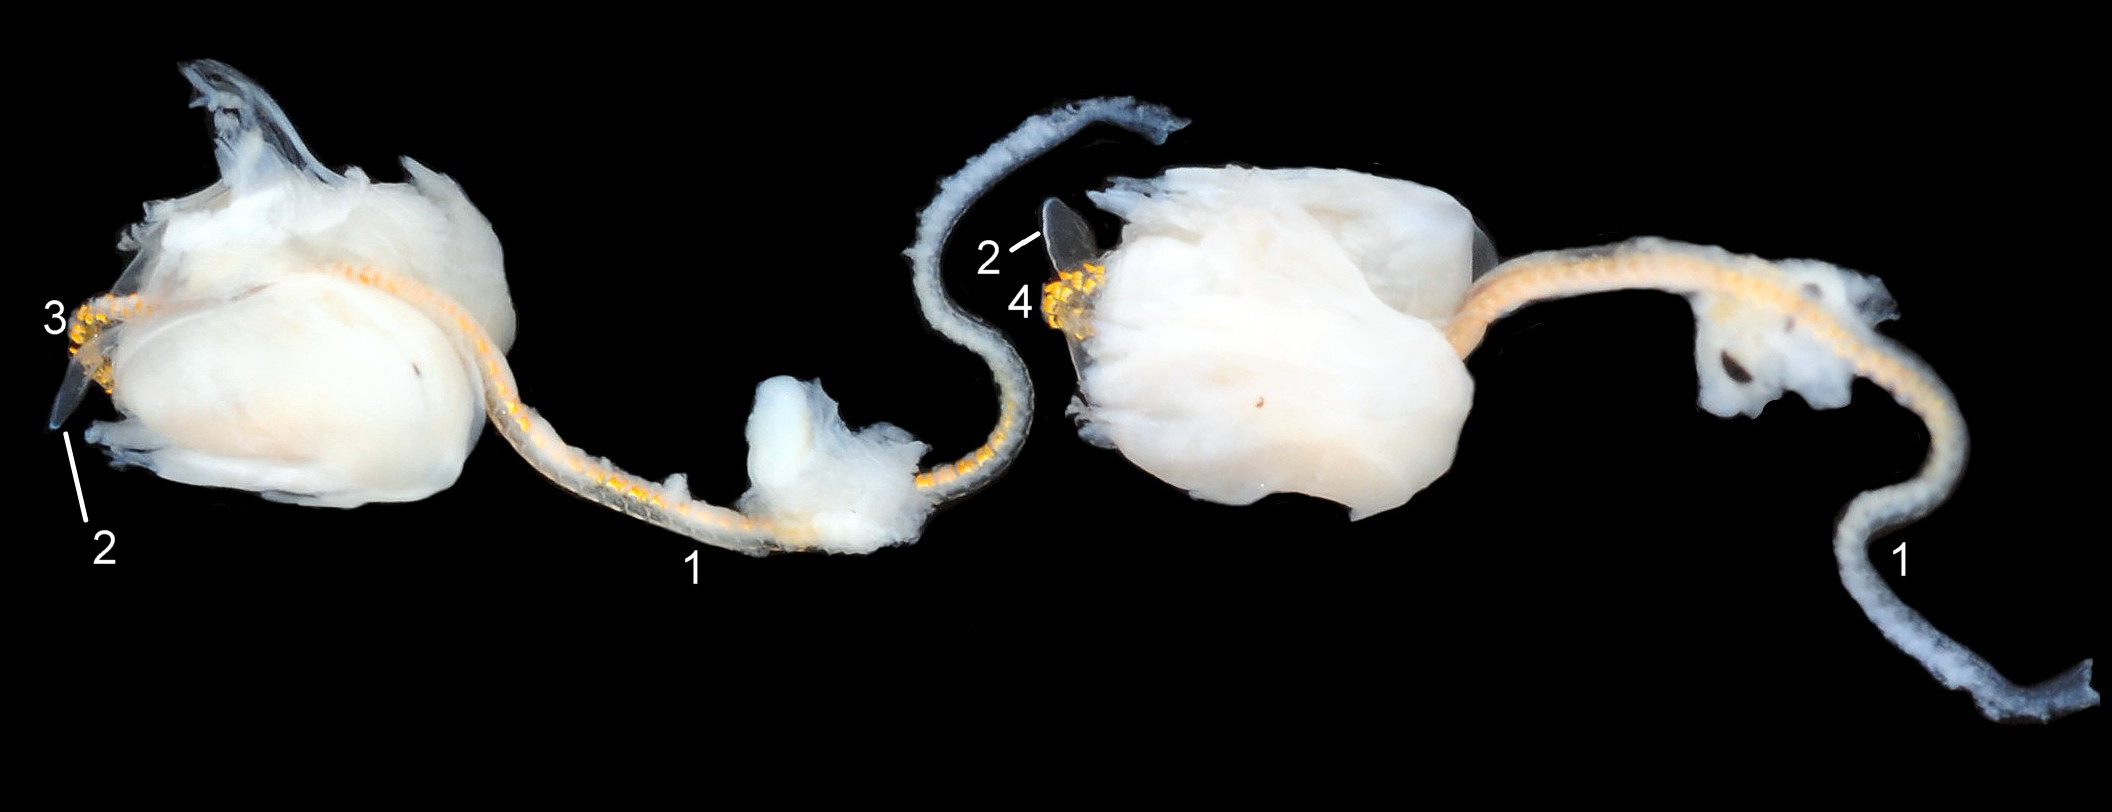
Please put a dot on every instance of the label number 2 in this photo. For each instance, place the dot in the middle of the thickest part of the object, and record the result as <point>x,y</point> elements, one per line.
<point>985,267</point>
<point>99,559</point>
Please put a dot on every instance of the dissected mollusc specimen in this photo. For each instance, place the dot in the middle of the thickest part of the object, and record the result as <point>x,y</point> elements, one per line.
<point>326,340</point>
<point>1303,330</point>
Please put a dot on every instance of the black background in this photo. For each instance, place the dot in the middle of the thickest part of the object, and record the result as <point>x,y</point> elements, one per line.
<point>679,226</point>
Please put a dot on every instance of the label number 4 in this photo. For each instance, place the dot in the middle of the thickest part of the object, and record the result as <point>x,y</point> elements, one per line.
<point>1022,303</point>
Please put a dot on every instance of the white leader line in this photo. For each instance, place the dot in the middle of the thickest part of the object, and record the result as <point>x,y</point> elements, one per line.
<point>76,476</point>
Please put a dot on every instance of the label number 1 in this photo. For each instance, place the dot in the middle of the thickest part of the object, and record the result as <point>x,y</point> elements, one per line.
<point>1901,551</point>
<point>692,559</point>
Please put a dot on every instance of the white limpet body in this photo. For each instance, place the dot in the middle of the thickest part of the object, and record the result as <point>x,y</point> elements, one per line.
<point>1263,331</point>
<point>311,390</point>
<point>250,370</point>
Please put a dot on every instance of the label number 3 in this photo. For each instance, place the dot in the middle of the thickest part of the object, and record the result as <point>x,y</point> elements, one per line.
<point>58,315</point>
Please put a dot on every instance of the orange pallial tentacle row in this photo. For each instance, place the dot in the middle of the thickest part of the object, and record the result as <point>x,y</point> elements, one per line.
<point>90,319</point>
<point>1064,300</point>
<point>594,478</point>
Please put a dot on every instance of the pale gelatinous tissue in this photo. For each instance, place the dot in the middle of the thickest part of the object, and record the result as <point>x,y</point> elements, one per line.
<point>817,481</point>
<point>1264,331</point>
<point>1749,355</point>
<point>252,371</point>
